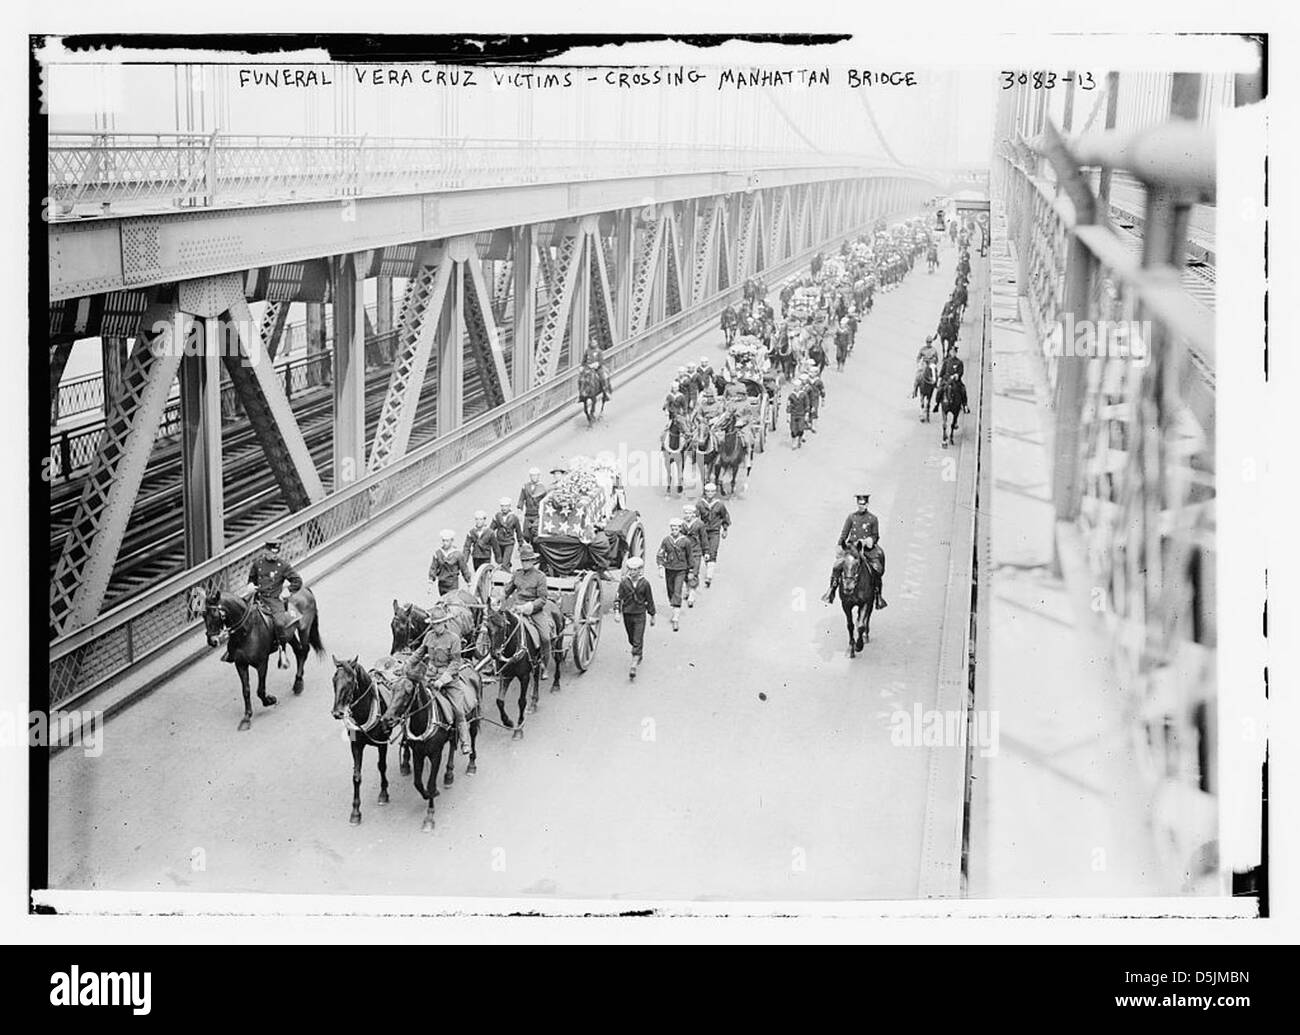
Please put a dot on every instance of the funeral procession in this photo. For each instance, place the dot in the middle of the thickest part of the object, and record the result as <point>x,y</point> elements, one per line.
<point>603,492</point>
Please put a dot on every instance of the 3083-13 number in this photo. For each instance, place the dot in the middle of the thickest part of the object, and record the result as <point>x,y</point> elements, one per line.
<point>1047,80</point>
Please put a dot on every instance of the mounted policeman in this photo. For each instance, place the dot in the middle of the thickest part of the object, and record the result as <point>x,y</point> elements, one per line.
<point>861,535</point>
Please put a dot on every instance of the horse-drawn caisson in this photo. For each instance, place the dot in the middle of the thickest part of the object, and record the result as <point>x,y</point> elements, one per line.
<point>585,530</point>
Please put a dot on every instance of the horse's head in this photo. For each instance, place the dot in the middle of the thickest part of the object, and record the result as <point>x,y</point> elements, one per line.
<point>216,616</point>
<point>347,682</point>
<point>492,632</point>
<point>408,625</point>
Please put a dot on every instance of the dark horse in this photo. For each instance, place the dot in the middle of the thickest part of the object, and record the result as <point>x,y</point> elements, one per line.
<point>923,385</point>
<point>950,400</point>
<point>856,583</point>
<point>429,725</point>
<point>503,638</point>
<point>732,451</point>
<point>591,389</point>
<point>675,445</point>
<point>817,353</point>
<point>360,700</point>
<point>252,639</point>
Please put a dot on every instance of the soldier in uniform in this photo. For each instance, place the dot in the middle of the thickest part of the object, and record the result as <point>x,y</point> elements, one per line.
<point>796,405</point>
<point>530,502</point>
<point>675,402</point>
<point>679,560</point>
<point>595,359</point>
<point>925,355</point>
<point>693,527</point>
<point>713,512</point>
<point>952,367</point>
<point>506,532</point>
<point>864,525</point>
<point>436,664</point>
<point>266,584</point>
<point>636,600</point>
<point>710,407</point>
<point>816,393</point>
<point>478,541</point>
<point>526,594</point>
<point>448,566</point>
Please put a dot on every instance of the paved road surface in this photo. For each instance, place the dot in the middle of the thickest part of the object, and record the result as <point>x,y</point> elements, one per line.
<point>683,785</point>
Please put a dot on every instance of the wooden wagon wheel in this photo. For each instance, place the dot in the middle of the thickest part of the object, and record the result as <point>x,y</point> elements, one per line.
<point>635,541</point>
<point>586,621</point>
<point>483,583</point>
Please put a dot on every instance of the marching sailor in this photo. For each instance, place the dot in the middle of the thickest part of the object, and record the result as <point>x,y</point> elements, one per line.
<point>636,600</point>
<point>864,525</point>
<point>530,502</point>
<point>448,566</point>
<point>679,560</point>
<point>478,540</point>
<point>713,512</point>
<point>506,531</point>
<point>693,527</point>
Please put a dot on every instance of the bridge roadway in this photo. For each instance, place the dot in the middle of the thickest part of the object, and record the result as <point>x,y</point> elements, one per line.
<point>684,785</point>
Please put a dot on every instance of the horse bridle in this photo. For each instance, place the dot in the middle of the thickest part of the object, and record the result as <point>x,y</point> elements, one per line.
<point>223,616</point>
<point>516,633</point>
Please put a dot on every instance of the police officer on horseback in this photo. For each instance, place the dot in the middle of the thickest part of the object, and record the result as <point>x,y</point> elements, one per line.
<point>864,525</point>
<point>266,583</point>
<point>953,369</point>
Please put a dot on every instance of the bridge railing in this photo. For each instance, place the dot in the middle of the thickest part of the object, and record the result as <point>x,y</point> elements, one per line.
<point>1130,360</point>
<point>83,661</point>
<point>114,172</point>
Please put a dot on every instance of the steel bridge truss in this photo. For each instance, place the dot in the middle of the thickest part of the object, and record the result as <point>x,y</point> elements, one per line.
<point>520,305</point>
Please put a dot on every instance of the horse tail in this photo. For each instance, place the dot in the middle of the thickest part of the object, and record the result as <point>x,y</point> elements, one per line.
<point>313,637</point>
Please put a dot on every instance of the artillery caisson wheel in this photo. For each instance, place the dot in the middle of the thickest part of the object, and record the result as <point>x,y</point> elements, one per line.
<point>483,582</point>
<point>635,541</point>
<point>586,621</point>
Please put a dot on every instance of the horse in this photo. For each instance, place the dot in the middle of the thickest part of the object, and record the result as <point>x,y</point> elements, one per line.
<point>410,621</point>
<point>857,596</point>
<point>675,445</point>
<point>429,725</point>
<point>360,700</point>
<point>950,401</point>
<point>927,374</point>
<point>732,451</point>
<point>252,639</point>
<point>591,388</point>
<point>503,638</point>
<point>817,353</point>
<point>704,447</point>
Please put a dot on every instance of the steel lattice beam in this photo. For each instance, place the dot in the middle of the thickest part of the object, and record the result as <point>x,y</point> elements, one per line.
<point>261,393</point>
<point>705,258</point>
<point>501,289</point>
<point>484,341</point>
<point>274,318</point>
<point>422,307</point>
<point>724,246</point>
<point>673,267</point>
<point>602,294</point>
<point>644,273</point>
<point>568,265</point>
<point>94,539</point>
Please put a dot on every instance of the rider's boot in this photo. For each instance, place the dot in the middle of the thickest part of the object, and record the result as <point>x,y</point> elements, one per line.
<point>226,655</point>
<point>462,732</point>
<point>880,594</point>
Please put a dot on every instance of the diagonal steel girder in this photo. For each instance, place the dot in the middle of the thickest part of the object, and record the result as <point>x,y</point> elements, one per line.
<point>777,246</point>
<point>94,539</point>
<point>260,392</point>
<point>274,318</point>
<point>480,324</point>
<point>724,245</point>
<point>672,259</point>
<point>602,295</point>
<point>550,341</point>
<point>705,260</point>
<point>645,272</point>
<point>422,307</point>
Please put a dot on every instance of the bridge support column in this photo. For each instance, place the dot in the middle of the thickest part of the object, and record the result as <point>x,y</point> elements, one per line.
<point>203,498</point>
<point>58,363</point>
<point>113,352</point>
<point>349,369</point>
<point>524,272</point>
<point>624,255</point>
<point>580,325</point>
<point>451,358</point>
<point>383,305</point>
<point>314,329</point>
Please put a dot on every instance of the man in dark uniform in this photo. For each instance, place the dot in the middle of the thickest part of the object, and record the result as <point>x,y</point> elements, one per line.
<point>437,663</point>
<point>862,524</point>
<point>506,532</point>
<point>530,502</point>
<point>448,566</point>
<point>713,512</point>
<point>478,541</point>
<point>693,527</point>
<point>526,593</point>
<point>796,404</point>
<point>816,390</point>
<point>266,581</point>
<point>636,600</point>
<point>679,560</point>
<point>953,368</point>
<point>595,359</point>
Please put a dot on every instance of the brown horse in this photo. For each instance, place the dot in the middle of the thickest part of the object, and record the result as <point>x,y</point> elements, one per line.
<point>732,452</point>
<point>252,638</point>
<point>591,390</point>
<point>856,583</point>
<point>360,699</point>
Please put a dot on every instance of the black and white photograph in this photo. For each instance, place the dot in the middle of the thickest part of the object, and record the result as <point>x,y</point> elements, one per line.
<point>727,473</point>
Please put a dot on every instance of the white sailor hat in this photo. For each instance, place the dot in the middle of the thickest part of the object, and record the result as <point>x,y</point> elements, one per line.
<point>635,563</point>
<point>504,501</point>
<point>447,533</point>
<point>710,487</point>
<point>534,471</point>
<point>480,515</point>
<point>675,521</point>
<point>688,508</point>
